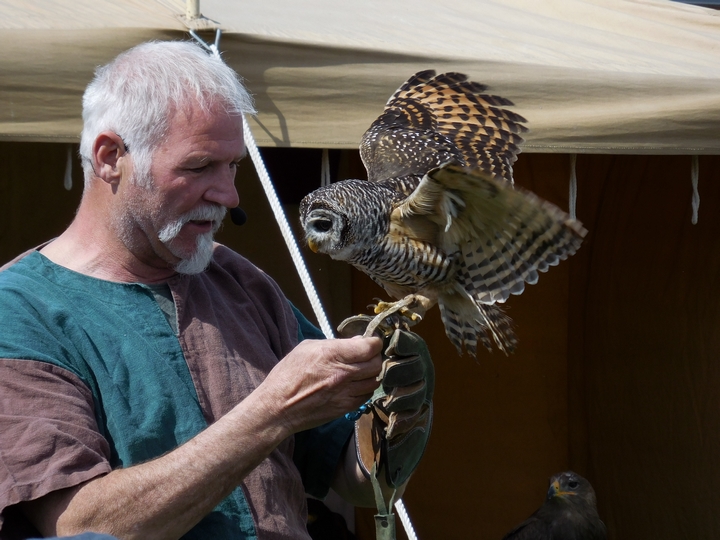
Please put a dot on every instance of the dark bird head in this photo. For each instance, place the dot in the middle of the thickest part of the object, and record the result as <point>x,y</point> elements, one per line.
<point>569,513</point>
<point>571,487</point>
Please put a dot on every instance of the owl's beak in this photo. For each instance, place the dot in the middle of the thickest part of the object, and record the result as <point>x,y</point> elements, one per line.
<point>312,245</point>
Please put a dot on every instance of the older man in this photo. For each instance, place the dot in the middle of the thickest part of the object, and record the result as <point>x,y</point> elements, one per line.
<point>152,382</point>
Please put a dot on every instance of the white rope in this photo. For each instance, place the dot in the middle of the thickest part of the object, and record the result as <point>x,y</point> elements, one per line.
<point>325,169</point>
<point>694,174</point>
<point>573,186</point>
<point>286,231</point>
<point>289,238</point>
<point>405,520</point>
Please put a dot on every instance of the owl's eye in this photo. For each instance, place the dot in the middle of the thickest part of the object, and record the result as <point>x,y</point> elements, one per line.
<point>573,484</point>
<point>322,225</point>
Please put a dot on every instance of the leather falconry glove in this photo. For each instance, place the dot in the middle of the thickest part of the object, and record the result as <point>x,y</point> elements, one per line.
<point>394,435</point>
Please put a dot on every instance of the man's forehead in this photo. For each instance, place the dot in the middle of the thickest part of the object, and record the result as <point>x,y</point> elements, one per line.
<point>204,124</point>
<point>193,112</point>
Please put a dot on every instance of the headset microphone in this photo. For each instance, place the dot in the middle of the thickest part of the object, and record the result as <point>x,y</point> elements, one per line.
<point>238,216</point>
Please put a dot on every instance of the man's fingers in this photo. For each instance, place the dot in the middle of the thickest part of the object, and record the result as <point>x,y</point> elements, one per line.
<point>358,349</point>
<point>323,379</point>
<point>361,359</point>
<point>363,387</point>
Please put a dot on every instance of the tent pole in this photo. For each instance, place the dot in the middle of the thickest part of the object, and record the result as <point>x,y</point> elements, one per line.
<point>192,9</point>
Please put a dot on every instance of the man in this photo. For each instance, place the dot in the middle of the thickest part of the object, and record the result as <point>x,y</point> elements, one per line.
<point>152,382</point>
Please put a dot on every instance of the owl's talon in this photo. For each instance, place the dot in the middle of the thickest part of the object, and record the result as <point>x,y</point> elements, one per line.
<point>382,307</point>
<point>394,315</point>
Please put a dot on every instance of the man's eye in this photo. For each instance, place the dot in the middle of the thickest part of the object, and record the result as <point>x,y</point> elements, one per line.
<point>197,169</point>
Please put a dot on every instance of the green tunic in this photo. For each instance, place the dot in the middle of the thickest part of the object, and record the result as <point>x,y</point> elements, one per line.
<point>154,388</point>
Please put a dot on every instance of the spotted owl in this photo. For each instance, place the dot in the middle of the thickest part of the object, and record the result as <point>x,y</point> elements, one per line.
<point>439,219</point>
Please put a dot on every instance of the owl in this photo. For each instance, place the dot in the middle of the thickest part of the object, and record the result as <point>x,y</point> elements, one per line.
<point>439,221</point>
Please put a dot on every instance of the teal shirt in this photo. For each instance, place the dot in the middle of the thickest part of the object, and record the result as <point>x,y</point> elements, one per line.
<point>115,338</point>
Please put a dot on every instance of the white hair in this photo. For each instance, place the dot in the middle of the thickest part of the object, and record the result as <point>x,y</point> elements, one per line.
<point>135,94</point>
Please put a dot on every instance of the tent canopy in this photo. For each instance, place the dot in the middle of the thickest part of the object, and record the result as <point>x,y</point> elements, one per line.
<point>593,76</point>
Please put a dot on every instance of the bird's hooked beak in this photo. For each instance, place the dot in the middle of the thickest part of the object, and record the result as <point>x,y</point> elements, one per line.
<point>556,491</point>
<point>312,245</point>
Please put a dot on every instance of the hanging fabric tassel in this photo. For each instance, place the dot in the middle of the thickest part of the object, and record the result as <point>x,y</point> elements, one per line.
<point>325,169</point>
<point>573,187</point>
<point>67,182</point>
<point>694,174</point>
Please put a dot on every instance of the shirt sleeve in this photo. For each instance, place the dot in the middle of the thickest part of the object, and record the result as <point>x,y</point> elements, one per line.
<point>317,453</point>
<point>306,329</point>
<point>50,438</point>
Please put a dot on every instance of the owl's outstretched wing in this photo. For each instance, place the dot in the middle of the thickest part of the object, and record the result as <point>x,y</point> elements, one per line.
<point>431,120</point>
<point>503,235</point>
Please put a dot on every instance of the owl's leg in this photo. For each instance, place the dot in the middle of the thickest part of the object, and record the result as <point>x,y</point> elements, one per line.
<point>406,307</point>
<point>401,314</point>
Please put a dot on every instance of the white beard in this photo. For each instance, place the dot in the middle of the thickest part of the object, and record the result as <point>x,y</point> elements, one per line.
<point>201,257</point>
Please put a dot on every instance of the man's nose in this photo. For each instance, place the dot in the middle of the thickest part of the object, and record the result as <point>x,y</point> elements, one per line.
<point>222,190</point>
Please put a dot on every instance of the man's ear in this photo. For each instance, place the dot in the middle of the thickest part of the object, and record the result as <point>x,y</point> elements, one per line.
<point>108,150</point>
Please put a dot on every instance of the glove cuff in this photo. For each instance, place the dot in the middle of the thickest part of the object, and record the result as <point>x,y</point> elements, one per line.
<point>398,456</point>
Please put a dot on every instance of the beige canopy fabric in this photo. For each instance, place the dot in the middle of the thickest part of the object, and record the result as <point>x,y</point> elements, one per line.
<point>592,76</point>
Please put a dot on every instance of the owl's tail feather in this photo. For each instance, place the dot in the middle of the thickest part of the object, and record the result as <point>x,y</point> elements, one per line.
<point>488,321</point>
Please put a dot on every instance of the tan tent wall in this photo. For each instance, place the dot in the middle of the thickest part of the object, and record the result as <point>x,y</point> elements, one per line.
<point>617,76</point>
<point>616,376</point>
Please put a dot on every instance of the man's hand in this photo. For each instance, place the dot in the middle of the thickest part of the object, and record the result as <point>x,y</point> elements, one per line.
<point>320,380</point>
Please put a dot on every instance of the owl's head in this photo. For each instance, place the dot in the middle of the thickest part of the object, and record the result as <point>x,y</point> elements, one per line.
<point>325,224</point>
<point>324,230</point>
<point>343,219</point>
